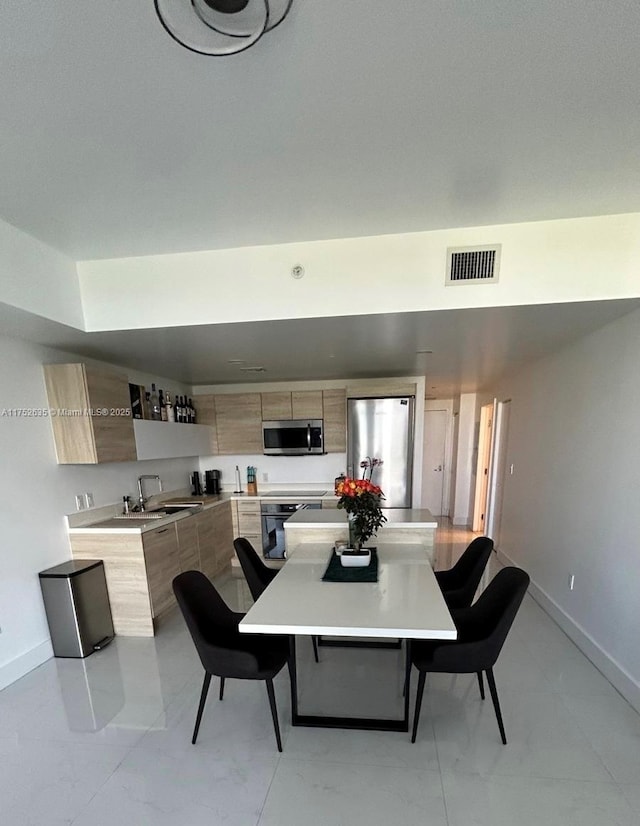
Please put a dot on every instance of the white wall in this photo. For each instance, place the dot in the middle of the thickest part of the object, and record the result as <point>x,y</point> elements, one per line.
<point>389,273</point>
<point>35,493</point>
<point>37,278</point>
<point>280,470</point>
<point>571,506</point>
<point>465,460</point>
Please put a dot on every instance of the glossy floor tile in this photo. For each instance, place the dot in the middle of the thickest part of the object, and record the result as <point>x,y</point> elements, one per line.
<point>107,740</point>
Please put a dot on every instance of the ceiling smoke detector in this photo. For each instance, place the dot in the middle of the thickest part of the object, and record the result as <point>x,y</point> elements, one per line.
<point>220,27</point>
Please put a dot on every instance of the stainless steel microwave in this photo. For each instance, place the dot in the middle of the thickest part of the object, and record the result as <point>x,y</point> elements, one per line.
<point>297,437</point>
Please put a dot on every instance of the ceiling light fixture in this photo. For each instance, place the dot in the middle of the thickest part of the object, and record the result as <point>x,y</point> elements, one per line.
<point>220,27</point>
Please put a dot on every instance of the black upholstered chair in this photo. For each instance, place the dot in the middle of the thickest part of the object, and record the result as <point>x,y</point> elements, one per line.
<point>460,583</point>
<point>482,630</point>
<point>257,574</point>
<point>225,652</point>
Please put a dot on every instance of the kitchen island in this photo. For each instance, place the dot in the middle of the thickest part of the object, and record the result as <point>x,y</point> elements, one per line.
<point>404,526</point>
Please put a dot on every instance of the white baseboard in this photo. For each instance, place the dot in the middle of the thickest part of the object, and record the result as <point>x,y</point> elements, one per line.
<point>12,671</point>
<point>619,678</point>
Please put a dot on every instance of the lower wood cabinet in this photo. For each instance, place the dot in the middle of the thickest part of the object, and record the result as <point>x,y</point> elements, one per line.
<point>188,550</point>
<point>162,561</point>
<point>140,567</point>
<point>215,539</point>
<point>247,522</point>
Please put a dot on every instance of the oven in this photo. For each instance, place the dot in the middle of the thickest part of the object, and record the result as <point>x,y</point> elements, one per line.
<point>274,515</point>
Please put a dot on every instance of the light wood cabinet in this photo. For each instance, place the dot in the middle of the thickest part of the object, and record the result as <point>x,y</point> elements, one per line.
<point>162,561</point>
<point>306,404</point>
<point>96,425</point>
<point>188,545</point>
<point>206,412</point>
<point>276,406</point>
<point>140,567</point>
<point>126,575</point>
<point>215,539</point>
<point>206,543</point>
<point>239,423</point>
<point>247,522</point>
<point>223,536</point>
<point>334,405</point>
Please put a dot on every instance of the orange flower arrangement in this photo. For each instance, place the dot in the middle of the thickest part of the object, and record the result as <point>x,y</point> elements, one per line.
<point>360,498</point>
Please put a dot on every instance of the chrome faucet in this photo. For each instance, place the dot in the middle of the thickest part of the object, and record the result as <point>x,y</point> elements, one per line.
<point>142,501</point>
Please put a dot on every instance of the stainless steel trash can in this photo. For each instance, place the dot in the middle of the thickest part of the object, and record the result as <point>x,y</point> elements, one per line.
<point>77,606</point>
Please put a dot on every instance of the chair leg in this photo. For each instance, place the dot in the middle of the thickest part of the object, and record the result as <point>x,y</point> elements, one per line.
<point>481,684</point>
<point>203,700</point>
<point>314,641</point>
<point>221,687</point>
<point>274,712</point>
<point>496,704</point>
<point>416,715</point>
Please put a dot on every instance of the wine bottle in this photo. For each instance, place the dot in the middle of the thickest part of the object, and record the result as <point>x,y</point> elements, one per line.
<point>147,405</point>
<point>193,412</point>
<point>169,408</point>
<point>155,404</point>
<point>163,407</point>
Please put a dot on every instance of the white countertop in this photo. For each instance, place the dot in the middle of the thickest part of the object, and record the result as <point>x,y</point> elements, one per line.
<point>405,603</point>
<point>396,517</point>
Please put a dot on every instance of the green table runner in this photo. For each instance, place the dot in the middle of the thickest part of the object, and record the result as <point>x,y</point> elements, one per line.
<point>337,573</point>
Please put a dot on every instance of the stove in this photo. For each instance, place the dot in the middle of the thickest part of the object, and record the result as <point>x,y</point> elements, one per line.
<point>290,494</point>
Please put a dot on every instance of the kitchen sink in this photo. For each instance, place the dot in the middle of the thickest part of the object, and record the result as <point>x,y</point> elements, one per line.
<point>170,509</point>
<point>158,513</point>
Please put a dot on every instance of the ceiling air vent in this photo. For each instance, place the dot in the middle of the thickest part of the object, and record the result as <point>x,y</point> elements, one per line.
<point>473,265</point>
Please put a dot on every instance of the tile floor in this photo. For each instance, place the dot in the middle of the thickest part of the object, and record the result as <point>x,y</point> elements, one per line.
<point>107,741</point>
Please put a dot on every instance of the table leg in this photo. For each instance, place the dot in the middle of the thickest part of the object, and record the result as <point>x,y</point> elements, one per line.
<point>329,721</point>
<point>293,675</point>
<point>407,682</point>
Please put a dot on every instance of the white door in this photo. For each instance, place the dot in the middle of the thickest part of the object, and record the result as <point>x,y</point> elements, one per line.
<point>433,461</point>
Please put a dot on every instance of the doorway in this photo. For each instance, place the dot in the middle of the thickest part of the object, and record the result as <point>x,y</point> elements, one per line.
<point>435,472</point>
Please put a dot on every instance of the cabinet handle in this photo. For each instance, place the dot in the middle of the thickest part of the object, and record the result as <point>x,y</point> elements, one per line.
<point>164,530</point>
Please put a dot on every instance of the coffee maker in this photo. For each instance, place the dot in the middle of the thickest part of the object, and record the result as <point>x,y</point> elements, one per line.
<point>212,482</point>
<point>196,487</point>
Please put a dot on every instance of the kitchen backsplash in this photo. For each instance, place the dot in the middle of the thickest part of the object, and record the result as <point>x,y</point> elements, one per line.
<point>279,469</point>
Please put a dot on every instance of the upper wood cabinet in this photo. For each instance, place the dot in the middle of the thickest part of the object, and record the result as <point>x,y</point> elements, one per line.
<point>334,405</point>
<point>91,416</point>
<point>239,423</point>
<point>236,419</point>
<point>206,411</point>
<point>276,406</point>
<point>306,404</point>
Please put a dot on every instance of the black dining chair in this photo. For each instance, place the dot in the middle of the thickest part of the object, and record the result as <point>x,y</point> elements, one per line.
<point>225,652</point>
<point>257,574</point>
<point>482,630</point>
<point>460,583</point>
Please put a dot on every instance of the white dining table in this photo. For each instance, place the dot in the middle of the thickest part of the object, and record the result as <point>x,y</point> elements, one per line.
<point>404,604</point>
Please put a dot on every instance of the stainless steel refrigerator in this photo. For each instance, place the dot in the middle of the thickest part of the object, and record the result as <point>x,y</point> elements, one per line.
<point>382,429</point>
